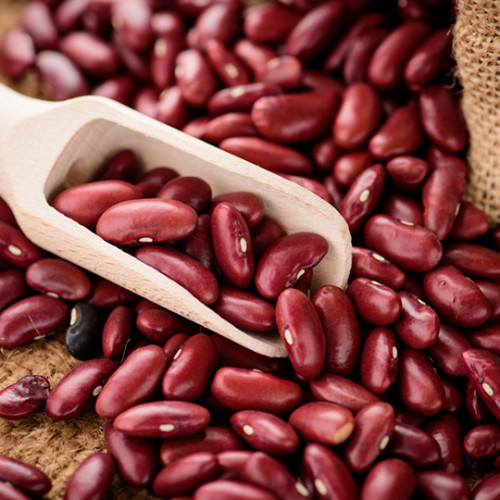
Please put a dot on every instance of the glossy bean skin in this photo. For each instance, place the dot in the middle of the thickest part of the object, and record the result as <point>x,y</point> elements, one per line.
<point>486,337</point>
<point>17,53</point>
<point>226,489</point>
<point>12,287</point>
<point>333,424</point>
<point>470,223</point>
<point>475,260</point>
<point>407,172</point>
<point>133,382</point>
<point>247,203</point>
<point>134,23</point>
<point>158,324</point>
<point>349,165</point>
<point>24,397</point>
<point>108,294</point>
<point>265,432</point>
<point>10,492</point>
<point>403,208</point>
<point>191,190</point>
<point>389,478</point>
<point>117,332</point>
<point>263,234</point>
<point>228,68</point>
<point>123,165</point>
<point>441,485</point>
<point>34,316</point>
<point>300,328</point>
<point>188,375</point>
<point>232,244</point>
<point>482,441</point>
<point>340,327</point>
<point>185,474</point>
<point>476,408</point>
<point>269,392</point>
<point>235,124</point>
<point>456,298</point>
<point>15,248</point>
<point>379,360</point>
<point>283,260</point>
<point>312,185</point>
<point>101,468</point>
<point>487,488</point>
<point>376,303</point>
<point>185,270</point>
<point>453,398</point>
<point>170,108</point>
<point>22,475</point>
<point>492,292</point>
<point>37,21</point>
<point>409,246</point>
<point>285,71</point>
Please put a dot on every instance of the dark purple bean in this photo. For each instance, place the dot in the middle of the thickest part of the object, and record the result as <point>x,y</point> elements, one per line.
<point>15,248</point>
<point>192,191</point>
<point>472,259</point>
<point>487,488</point>
<point>22,475</point>
<point>482,441</point>
<point>24,397</point>
<point>12,287</point>
<point>117,332</point>
<point>441,485</point>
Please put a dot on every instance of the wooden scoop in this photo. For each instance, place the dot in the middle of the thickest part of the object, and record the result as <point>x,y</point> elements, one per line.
<point>46,147</point>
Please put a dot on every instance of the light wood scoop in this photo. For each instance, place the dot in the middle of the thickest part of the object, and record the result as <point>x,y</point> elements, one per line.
<point>46,147</point>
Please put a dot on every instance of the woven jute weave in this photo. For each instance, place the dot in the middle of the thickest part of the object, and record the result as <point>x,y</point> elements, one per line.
<point>477,53</point>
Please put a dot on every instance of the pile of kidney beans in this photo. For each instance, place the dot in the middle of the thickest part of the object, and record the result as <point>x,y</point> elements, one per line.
<point>355,101</point>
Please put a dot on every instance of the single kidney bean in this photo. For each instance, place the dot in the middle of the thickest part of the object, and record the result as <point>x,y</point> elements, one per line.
<point>117,332</point>
<point>123,166</point>
<point>302,333</point>
<point>487,488</point>
<point>83,336</point>
<point>108,294</point>
<point>253,54</point>
<point>315,32</point>
<point>58,278</point>
<point>182,269</point>
<point>269,155</point>
<point>456,298</point>
<point>486,337</point>
<point>269,392</point>
<point>473,259</point>
<point>24,397</point>
<point>407,172</point>
<point>232,244</point>
<point>476,408</point>
<point>15,248</point>
<point>24,476</point>
<point>37,21</point>
<point>442,119</point>
<point>146,101</point>
<point>191,369</point>
<point>387,65</point>
<point>376,303</point>
<point>133,21</point>
<point>30,318</point>
<point>482,441</point>
<point>171,108</point>
<point>403,208</point>
<point>342,391</point>
<point>164,53</point>
<point>420,389</point>
<point>407,245</point>
<point>247,203</point>
<point>349,165</point>
<point>227,125</point>
<point>415,446</point>
<point>101,468</point>
<point>227,489</point>
<point>437,158</point>
<point>136,458</point>
<point>226,65</point>
<point>10,492</point>
<point>263,234</point>
<point>135,380</point>
<point>17,53</point>
<point>340,327</point>
<point>190,190</point>
<point>76,392</point>
<point>265,432</point>
<point>470,223</point>
<point>379,360</point>
<point>453,399</point>
<point>358,117</point>
<point>12,287</point>
<point>391,477</point>
<point>333,424</point>
<point>136,63</point>
<point>328,473</point>
<point>285,71</point>
<point>295,117</point>
<point>284,260</point>
<point>441,485</point>
<point>185,474</point>
<point>87,202</point>
<point>362,196</point>
<point>232,462</point>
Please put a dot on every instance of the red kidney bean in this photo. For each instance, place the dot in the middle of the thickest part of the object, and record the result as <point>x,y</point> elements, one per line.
<point>403,208</point>
<point>285,260</point>
<point>387,65</point>
<point>420,389</point>
<point>15,248</point>
<point>445,429</point>
<point>476,408</point>
<point>197,126</point>
<point>295,117</point>
<point>232,244</point>
<point>441,485</point>
<point>133,21</point>
<point>376,303</point>
<point>455,297</point>
<point>24,397</point>
<point>342,391</point>
<point>108,294</point>
<point>146,100</point>
<point>333,424</point>
<point>17,53</point>
<point>391,477</point>
<point>265,432</point>
<point>328,473</point>
<point>269,155</point>
<point>190,190</point>
<point>358,117</point>
<point>473,259</point>
<point>122,166</point>
<point>269,393</point>
<point>181,268</point>
<point>349,165</point>
<point>312,185</point>
<point>407,172</point>
<point>362,196</point>
<point>191,369</point>
<point>232,462</point>
<point>185,474</point>
<point>414,445</point>
<point>407,245</point>
<point>98,466</point>
<point>487,488</point>
<point>87,202</point>
<point>134,382</point>
<point>236,124</point>
<point>441,118</point>
<point>285,71</point>
<point>247,203</point>
<point>482,441</point>
<point>9,492</point>
<point>453,399</point>
<point>37,21</point>
<point>300,328</point>
<point>30,318</point>
<point>136,458</point>
<point>119,88</point>
<point>24,476</point>
<point>163,56</point>
<point>117,332</point>
<point>226,489</point>
<point>379,360</point>
<point>324,154</point>
<point>254,54</point>
<point>12,287</point>
<point>315,32</point>
<point>437,158</point>
<point>470,223</point>
<point>171,108</point>
<point>69,13</point>
<point>263,234</point>
<point>228,68</point>
<point>486,337</point>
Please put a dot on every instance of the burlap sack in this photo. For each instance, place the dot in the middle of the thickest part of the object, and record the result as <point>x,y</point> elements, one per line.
<point>477,53</point>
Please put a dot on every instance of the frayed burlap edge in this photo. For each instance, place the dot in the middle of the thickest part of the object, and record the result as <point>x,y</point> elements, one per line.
<point>477,53</point>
